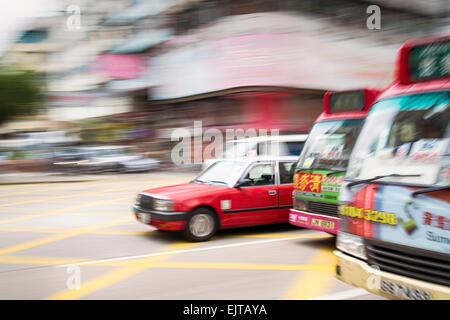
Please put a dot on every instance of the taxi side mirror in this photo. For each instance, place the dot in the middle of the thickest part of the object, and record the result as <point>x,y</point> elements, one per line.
<point>243,182</point>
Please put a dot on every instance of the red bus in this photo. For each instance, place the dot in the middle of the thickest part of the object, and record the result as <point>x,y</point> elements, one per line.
<point>319,173</point>
<point>394,239</point>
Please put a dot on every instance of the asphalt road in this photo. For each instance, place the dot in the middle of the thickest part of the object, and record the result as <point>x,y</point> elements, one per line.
<point>79,240</point>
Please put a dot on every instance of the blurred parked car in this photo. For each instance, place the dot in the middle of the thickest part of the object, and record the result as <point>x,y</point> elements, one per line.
<point>114,159</point>
<point>229,193</point>
<point>270,146</point>
<point>67,159</point>
<point>4,160</point>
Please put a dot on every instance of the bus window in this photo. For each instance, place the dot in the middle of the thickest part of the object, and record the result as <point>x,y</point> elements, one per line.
<point>413,138</point>
<point>329,144</point>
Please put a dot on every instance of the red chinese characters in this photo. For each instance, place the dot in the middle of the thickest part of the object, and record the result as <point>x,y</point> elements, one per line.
<point>436,221</point>
<point>311,182</point>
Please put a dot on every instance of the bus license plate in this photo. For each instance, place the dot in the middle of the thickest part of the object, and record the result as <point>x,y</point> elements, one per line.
<point>322,223</point>
<point>403,291</point>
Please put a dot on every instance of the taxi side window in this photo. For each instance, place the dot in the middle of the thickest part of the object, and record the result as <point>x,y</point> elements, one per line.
<point>261,175</point>
<point>286,172</point>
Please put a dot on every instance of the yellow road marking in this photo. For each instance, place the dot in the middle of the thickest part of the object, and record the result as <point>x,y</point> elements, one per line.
<point>231,265</point>
<point>315,282</point>
<point>52,261</point>
<point>64,230</point>
<point>152,263</point>
<point>116,275</point>
<point>96,284</point>
<point>146,232</point>
<point>56,188</point>
<point>39,261</point>
<point>58,211</point>
<point>72,195</point>
<point>57,237</point>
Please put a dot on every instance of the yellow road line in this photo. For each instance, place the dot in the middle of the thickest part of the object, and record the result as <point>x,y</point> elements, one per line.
<point>72,195</point>
<point>37,261</point>
<point>315,282</point>
<point>231,265</point>
<point>58,211</point>
<point>152,263</point>
<point>55,188</point>
<point>57,237</point>
<point>52,261</point>
<point>64,230</point>
<point>146,232</point>
<point>116,275</point>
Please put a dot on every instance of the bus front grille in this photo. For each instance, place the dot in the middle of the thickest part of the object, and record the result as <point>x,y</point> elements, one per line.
<point>410,262</point>
<point>328,209</point>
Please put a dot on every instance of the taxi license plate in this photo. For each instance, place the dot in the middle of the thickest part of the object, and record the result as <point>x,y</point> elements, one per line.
<point>145,218</point>
<point>322,223</point>
<point>403,291</point>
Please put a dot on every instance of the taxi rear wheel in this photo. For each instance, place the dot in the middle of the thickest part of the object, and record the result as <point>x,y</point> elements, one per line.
<point>201,225</point>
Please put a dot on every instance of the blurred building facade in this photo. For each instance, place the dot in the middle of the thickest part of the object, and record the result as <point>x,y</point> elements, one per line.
<point>133,69</point>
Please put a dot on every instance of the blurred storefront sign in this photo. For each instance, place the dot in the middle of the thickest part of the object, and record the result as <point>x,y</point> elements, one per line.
<point>270,49</point>
<point>142,41</point>
<point>430,7</point>
<point>128,85</point>
<point>138,11</point>
<point>90,108</point>
<point>115,128</point>
<point>32,125</point>
<point>78,82</point>
<point>121,66</point>
<point>268,59</point>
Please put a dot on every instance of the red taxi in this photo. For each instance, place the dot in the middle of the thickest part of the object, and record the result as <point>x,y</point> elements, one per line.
<point>229,193</point>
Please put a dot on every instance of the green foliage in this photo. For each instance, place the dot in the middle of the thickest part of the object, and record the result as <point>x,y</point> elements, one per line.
<point>20,93</point>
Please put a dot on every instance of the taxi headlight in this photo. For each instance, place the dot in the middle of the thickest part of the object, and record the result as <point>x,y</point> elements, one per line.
<point>163,205</point>
<point>138,200</point>
<point>351,244</point>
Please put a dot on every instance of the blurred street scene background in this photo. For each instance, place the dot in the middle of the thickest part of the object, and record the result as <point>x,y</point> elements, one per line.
<point>83,80</point>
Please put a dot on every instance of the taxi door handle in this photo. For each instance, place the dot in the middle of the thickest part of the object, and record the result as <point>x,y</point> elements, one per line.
<point>272,192</point>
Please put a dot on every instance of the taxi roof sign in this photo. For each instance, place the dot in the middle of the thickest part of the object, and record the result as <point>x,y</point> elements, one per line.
<point>349,101</point>
<point>424,59</point>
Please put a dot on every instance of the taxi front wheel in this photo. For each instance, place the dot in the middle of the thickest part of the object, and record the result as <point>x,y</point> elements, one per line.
<point>201,225</point>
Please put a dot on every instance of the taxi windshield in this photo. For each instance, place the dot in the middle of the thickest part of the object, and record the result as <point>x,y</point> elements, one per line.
<point>329,145</point>
<point>222,172</point>
<point>406,137</point>
<point>238,149</point>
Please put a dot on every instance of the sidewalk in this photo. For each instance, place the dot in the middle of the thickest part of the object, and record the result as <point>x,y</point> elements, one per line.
<point>11,178</point>
<point>43,177</point>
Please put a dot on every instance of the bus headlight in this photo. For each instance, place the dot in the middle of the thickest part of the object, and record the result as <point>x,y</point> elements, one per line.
<point>354,167</point>
<point>163,205</point>
<point>300,204</point>
<point>351,244</point>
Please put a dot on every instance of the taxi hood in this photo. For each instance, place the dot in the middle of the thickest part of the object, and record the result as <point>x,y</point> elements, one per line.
<point>185,191</point>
